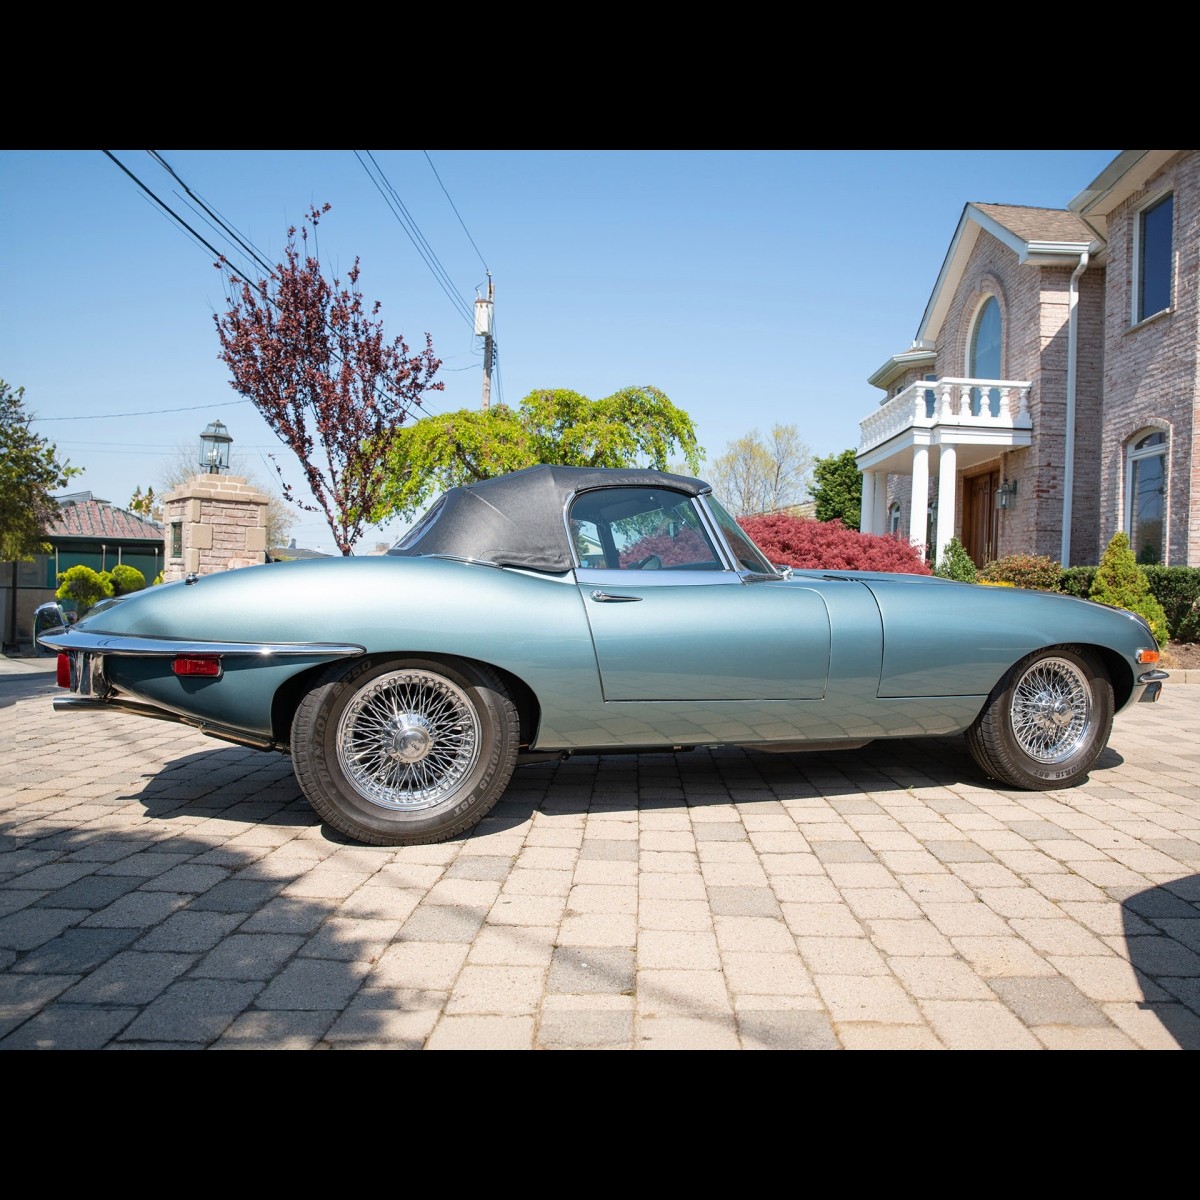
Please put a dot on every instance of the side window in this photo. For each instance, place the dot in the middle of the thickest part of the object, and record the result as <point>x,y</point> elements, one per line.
<point>984,356</point>
<point>589,549</point>
<point>1155,259</point>
<point>640,529</point>
<point>1145,490</point>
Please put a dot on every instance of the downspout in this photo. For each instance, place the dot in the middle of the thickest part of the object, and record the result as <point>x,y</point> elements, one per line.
<point>1064,554</point>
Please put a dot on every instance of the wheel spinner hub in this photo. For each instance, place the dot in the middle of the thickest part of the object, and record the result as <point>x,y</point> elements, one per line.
<point>410,736</point>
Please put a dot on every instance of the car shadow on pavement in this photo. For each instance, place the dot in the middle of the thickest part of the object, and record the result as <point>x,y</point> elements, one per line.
<point>241,784</point>
<point>1162,931</point>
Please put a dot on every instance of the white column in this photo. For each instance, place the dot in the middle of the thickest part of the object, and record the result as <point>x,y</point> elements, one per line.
<point>920,497</point>
<point>947,470</point>
<point>866,520</point>
<point>879,521</point>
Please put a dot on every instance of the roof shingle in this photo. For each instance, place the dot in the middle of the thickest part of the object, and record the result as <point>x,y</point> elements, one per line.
<point>95,519</point>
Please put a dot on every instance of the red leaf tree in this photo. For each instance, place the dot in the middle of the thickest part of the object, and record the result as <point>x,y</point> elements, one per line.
<point>830,546</point>
<point>312,358</point>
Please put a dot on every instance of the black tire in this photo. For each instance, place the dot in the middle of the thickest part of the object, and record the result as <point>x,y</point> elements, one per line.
<point>1046,721</point>
<point>403,752</point>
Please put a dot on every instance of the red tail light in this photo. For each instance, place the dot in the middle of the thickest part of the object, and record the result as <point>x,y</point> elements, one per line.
<point>197,666</point>
<point>64,670</point>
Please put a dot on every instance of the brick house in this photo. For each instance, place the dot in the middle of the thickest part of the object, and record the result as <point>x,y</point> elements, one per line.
<point>1049,398</point>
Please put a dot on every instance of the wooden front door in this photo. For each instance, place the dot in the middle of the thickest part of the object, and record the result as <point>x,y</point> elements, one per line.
<point>979,517</point>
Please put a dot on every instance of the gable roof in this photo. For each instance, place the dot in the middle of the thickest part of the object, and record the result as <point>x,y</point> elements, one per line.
<point>79,516</point>
<point>1039,237</point>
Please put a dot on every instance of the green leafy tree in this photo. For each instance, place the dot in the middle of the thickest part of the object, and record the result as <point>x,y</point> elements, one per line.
<point>837,489</point>
<point>311,356</point>
<point>145,504</point>
<point>126,579</point>
<point>30,470</point>
<point>1121,582</point>
<point>956,563</point>
<point>757,475</point>
<point>83,586</point>
<point>635,426</point>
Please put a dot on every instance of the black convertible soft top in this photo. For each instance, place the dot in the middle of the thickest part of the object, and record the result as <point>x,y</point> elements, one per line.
<point>519,520</point>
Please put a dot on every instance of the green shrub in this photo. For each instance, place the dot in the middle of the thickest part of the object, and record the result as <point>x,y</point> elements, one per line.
<point>1177,589</point>
<point>1035,571</point>
<point>1121,582</point>
<point>1077,581</point>
<point>956,563</point>
<point>126,579</point>
<point>83,585</point>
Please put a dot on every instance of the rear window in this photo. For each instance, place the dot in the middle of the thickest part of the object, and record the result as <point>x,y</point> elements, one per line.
<point>420,529</point>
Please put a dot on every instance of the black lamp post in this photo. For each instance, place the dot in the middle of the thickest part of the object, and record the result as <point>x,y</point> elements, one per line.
<point>214,448</point>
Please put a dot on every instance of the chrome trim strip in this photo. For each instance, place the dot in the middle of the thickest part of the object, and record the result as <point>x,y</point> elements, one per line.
<point>75,640</point>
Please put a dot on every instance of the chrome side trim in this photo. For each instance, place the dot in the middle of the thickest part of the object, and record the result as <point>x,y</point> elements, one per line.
<point>102,643</point>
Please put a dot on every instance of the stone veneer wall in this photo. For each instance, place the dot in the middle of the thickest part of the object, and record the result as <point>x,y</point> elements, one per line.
<point>222,521</point>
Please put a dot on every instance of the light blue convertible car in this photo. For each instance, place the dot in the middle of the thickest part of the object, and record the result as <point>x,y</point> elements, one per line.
<point>571,610</point>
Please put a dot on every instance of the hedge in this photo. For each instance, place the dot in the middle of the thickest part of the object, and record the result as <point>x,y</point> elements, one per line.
<point>1177,589</point>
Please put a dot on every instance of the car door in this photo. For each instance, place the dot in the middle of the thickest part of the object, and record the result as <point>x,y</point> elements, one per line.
<point>671,619</point>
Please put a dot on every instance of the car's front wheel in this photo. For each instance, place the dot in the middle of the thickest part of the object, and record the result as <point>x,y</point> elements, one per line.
<point>1046,722</point>
<point>404,751</point>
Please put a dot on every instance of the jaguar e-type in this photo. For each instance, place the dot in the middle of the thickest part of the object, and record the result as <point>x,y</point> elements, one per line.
<point>570,610</point>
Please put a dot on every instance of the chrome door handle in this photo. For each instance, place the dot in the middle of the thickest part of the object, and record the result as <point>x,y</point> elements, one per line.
<point>609,598</point>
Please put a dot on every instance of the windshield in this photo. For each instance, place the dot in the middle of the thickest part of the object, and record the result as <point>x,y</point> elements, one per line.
<point>749,556</point>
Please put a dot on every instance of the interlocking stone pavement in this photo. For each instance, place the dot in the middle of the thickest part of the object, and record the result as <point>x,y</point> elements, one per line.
<point>160,890</point>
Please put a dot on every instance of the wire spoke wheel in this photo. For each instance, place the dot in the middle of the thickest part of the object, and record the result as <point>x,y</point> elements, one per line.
<point>1046,721</point>
<point>408,740</point>
<point>1051,710</point>
<point>405,751</point>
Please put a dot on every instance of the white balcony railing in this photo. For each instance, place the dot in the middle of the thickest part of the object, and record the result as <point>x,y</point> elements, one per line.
<point>991,404</point>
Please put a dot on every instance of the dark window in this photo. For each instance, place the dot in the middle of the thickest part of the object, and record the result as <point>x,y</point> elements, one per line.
<point>1146,483</point>
<point>1154,258</point>
<point>640,528</point>
<point>985,354</point>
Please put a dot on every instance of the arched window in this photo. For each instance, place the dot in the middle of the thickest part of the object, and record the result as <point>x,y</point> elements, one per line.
<point>1145,492</point>
<point>894,518</point>
<point>983,356</point>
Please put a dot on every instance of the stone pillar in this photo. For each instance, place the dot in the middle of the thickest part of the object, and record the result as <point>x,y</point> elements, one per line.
<point>213,523</point>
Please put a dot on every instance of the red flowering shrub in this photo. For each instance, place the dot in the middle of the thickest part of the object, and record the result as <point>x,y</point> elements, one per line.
<point>830,546</point>
<point>687,547</point>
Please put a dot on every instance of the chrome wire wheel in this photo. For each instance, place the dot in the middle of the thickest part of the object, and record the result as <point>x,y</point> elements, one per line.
<point>407,740</point>
<point>1051,710</point>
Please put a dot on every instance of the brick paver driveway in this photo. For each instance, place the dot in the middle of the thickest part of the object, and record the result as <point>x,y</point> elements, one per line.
<point>162,890</point>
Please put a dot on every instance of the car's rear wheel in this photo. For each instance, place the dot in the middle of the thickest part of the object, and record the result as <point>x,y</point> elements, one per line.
<point>404,751</point>
<point>1046,722</point>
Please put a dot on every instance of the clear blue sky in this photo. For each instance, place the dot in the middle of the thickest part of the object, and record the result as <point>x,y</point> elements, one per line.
<point>753,287</point>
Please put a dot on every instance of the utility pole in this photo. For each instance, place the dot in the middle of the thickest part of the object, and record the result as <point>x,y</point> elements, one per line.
<point>484,327</point>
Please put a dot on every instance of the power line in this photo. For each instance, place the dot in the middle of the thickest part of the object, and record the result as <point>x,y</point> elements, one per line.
<point>423,248</point>
<point>456,213</point>
<point>153,412</point>
<point>214,219</point>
